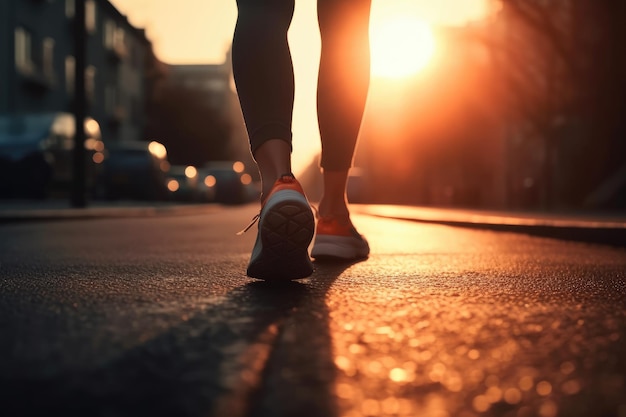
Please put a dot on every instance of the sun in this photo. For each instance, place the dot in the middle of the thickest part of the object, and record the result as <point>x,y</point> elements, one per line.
<point>400,46</point>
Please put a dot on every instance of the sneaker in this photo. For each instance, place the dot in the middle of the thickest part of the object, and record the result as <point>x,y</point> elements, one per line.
<point>286,228</point>
<point>338,239</point>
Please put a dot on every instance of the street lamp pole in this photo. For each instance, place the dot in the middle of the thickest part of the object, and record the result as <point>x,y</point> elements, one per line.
<point>78,198</point>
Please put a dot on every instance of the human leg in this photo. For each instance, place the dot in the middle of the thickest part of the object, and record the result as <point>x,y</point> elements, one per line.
<point>263,74</point>
<point>264,78</point>
<point>342,92</point>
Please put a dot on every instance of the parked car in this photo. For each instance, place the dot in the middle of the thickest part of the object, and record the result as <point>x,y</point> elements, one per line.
<point>206,186</point>
<point>136,170</point>
<point>36,154</point>
<point>231,182</point>
<point>182,183</point>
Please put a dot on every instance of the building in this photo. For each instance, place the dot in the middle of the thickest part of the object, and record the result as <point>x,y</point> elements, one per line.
<point>38,65</point>
<point>212,80</point>
<point>215,82</point>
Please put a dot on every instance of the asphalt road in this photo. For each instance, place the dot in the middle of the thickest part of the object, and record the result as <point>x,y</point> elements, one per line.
<point>154,316</point>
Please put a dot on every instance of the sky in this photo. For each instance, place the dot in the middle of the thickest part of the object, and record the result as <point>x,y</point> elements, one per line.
<point>200,31</point>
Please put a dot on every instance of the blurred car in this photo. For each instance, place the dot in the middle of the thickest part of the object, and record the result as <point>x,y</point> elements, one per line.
<point>36,154</point>
<point>182,183</point>
<point>231,183</point>
<point>136,170</point>
<point>206,186</point>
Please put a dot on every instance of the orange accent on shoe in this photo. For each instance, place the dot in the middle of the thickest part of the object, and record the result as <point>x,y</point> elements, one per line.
<point>335,227</point>
<point>337,238</point>
<point>285,182</point>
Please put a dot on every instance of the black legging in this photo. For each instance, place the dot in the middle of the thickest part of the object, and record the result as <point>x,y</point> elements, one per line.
<point>264,77</point>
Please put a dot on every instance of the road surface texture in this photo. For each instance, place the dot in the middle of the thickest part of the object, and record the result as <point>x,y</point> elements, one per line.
<point>155,317</point>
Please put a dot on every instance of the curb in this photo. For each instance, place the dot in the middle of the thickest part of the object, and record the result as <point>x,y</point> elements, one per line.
<point>599,229</point>
<point>588,229</point>
<point>57,214</point>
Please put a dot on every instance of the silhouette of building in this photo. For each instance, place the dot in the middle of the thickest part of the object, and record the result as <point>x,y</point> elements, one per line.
<point>215,82</point>
<point>38,66</point>
<point>212,80</point>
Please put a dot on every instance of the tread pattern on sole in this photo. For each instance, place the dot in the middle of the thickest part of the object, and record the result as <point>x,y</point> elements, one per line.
<point>286,232</point>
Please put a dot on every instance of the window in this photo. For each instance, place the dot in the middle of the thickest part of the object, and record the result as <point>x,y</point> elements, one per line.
<point>70,71</point>
<point>48,57</point>
<point>90,13</point>
<point>69,9</point>
<point>90,82</point>
<point>70,78</point>
<point>114,38</point>
<point>23,51</point>
<point>119,42</point>
<point>109,34</point>
<point>90,16</point>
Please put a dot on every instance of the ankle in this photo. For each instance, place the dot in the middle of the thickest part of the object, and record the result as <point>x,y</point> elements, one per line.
<point>267,185</point>
<point>273,160</point>
<point>339,211</point>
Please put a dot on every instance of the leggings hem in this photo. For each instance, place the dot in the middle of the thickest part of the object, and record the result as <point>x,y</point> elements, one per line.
<point>268,132</point>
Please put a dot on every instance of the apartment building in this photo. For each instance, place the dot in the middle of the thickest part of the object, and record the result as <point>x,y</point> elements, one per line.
<point>38,66</point>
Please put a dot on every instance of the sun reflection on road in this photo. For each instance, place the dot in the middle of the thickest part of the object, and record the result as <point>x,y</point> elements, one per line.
<point>403,365</point>
<point>418,346</point>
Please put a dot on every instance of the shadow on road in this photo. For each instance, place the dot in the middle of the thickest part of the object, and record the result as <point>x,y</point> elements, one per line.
<point>264,350</point>
<point>299,376</point>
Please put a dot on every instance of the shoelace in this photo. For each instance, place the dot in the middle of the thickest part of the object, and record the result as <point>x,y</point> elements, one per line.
<point>252,222</point>
<point>284,177</point>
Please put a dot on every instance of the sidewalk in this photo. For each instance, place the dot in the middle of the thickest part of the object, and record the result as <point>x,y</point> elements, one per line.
<point>13,211</point>
<point>603,228</point>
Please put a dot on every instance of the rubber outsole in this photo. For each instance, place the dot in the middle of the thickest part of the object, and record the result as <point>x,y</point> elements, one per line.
<point>339,248</point>
<point>285,230</point>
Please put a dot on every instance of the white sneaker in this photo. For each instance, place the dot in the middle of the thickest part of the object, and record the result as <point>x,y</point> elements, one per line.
<point>285,230</point>
<point>338,239</point>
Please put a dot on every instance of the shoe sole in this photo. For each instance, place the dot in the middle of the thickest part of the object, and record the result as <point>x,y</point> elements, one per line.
<point>286,230</point>
<point>338,248</point>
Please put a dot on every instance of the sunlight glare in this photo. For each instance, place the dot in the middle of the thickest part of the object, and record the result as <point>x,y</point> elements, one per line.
<point>401,46</point>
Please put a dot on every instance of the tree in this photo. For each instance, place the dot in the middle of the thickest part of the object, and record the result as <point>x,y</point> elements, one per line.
<point>562,65</point>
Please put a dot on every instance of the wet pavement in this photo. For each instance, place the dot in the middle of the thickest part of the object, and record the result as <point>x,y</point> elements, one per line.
<point>153,316</point>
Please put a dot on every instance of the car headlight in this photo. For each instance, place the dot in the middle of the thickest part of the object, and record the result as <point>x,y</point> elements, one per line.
<point>246,179</point>
<point>173,185</point>
<point>98,157</point>
<point>210,181</point>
